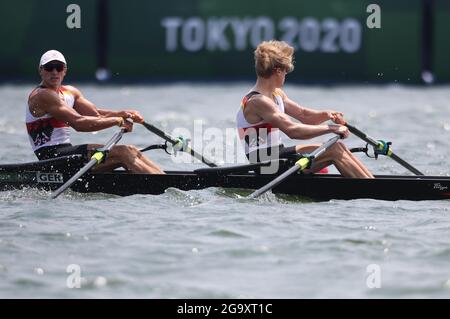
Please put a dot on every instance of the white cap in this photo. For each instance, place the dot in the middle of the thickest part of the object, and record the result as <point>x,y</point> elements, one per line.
<point>52,55</point>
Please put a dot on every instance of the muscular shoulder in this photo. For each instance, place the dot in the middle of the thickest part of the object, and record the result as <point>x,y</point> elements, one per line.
<point>259,100</point>
<point>261,105</point>
<point>43,95</point>
<point>73,90</point>
<point>280,92</point>
<point>41,99</point>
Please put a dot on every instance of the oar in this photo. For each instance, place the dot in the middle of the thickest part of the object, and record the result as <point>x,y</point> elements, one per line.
<point>301,164</point>
<point>96,158</point>
<point>175,141</point>
<point>380,146</point>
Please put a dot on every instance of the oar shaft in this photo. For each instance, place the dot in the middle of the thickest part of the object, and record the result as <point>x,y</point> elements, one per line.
<point>74,178</point>
<point>405,164</point>
<point>375,143</point>
<point>274,182</point>
<point>299,165</point>
<point>160,133</point>
<point>362,135</point>
<point>92,162</point>
<point>174,141</point>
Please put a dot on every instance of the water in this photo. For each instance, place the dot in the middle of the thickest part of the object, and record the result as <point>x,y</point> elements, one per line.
<point>215,244</point>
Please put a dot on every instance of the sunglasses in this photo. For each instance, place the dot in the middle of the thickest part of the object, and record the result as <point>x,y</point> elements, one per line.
<point>49,67</point>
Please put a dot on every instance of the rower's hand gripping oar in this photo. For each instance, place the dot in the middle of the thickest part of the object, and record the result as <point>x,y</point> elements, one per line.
<point>381,147</point>
<point>178,143</point>
<point>301,164</point>
<point>96,158</point>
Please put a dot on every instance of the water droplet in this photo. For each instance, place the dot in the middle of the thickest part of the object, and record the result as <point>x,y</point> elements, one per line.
<point>447,284</point>
<point>264,248</point>
<point>102,74</point>
<point>427,77</point>
<point>39,271</point>
<point>100,281</point>
<point>194,250</point>
<point>428,108</point>
<point>447,126</point>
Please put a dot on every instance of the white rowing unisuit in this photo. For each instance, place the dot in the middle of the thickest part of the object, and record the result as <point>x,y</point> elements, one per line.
<point>46,130</point>
<point>258,135</point>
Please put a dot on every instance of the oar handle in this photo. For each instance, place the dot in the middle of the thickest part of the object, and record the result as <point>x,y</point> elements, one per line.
<point>174,141</point>
<point>376,143</point>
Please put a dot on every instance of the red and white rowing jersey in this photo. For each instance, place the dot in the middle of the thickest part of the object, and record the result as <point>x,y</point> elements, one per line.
<point>258,135</point>
<point>46,130</point>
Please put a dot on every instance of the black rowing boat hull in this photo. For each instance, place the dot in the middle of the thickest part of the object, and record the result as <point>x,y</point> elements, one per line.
<point>50,175</point>
<point>317,187</point>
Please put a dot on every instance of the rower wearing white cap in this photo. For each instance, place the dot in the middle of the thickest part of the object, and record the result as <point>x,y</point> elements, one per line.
<point>53,108</point>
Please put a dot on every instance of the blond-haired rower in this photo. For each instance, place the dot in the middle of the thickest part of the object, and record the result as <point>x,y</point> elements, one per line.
<point>266,109</point>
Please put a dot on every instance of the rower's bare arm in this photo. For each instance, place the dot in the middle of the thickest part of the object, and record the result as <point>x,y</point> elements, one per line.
<point>85,107</point>
<point>49,102</point>
<point>126,114</point>
<point>305,115</point>
<point>268,111</point>
<point>82,105</point>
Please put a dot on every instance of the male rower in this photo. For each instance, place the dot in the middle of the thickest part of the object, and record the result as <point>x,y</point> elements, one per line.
<point>266,109</point>
<point>53,108</point>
